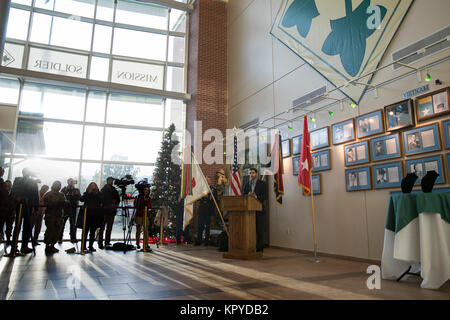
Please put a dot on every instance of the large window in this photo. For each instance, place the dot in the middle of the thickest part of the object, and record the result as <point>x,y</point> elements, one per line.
<point>66,129</point>
<point>65,132</point>
<point>49,34</point>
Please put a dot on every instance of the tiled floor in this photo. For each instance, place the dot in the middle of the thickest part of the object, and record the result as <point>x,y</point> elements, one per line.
<point>187,272</point>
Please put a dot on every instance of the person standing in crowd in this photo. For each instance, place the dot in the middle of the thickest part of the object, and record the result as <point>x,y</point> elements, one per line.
<point>72,195</point>
<point>3,202</point>
<point>179,222</point>
<point>111,200</point>
<point>143,200</point>
<point>257,188</point>
<point>221,184</point>
<point>93,201</point>
<point>10,214</point>
<point>54,202</point>
<point>38,215</point>
<point>25,191</point>
<point>205,211</point>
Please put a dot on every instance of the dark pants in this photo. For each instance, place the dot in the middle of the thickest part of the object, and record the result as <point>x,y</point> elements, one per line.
<point>180,231</point>
<point>91,230</point>
<point>204,223</point>
<point>8,221</point>
<point>36,220</point>
<point>73,228</point>
<point>260,221</point>
<point>108,222</point>
<point>26,227</point>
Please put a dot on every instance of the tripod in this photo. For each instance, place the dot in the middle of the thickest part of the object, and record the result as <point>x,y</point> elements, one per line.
<point>126,223</point>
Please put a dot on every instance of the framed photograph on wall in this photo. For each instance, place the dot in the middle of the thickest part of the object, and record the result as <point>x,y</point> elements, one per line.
<point>297,144</point>
<point>343,131</point>
<point>369,124</point>
<point>387,147</point>
<point>319,138</point>
<point>422,165</point>
<point>321,160</point>
<point>358,179</point>
<point>422,139</point>
<point>446,131</point>
<point>316,184</point>
<point>434,104</point>
<point>399,115</point>
<point>356,153</point>
<point>387,175</point>
<point>295,165</point>
<point>286,148</point>
<point>448,165</point>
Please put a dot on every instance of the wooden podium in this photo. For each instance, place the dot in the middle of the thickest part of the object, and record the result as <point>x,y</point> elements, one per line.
<point>242,226</point>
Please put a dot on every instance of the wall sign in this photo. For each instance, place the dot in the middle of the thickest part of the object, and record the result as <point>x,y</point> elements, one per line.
<point>138,74</point>
<point>415,92</point>
<point>56,62</point>
<point>342,40</point>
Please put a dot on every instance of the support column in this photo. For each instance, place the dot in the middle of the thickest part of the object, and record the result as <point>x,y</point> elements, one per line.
<point>5,5</point>
<point>207,73</point>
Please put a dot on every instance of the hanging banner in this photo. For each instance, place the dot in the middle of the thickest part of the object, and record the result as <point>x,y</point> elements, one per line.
<point>340,39</point>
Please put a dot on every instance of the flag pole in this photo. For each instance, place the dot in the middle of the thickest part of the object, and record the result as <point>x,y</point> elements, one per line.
<point>220,213</point>
<point>315,259</point>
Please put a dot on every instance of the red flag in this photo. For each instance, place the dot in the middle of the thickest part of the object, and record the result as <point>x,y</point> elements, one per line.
<point>305,165</point>
<point>278,185</point>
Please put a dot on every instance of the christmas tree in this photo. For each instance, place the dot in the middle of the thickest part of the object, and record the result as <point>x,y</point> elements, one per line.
<point>165,187</point>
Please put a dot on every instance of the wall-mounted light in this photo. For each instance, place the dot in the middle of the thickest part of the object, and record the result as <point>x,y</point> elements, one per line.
<point>353,105</point>
<point>290,127</point>
<point>428,77</point>
<point>313,117</point>
<point>330,113</point>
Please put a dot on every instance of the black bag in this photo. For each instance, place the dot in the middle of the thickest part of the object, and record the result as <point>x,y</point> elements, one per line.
<point>79,218</point>
<point>223,241</point>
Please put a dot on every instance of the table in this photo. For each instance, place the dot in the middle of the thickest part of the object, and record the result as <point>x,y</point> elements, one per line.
<point>418,232</point>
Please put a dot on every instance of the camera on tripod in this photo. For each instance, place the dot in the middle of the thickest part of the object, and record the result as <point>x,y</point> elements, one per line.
<point>141,185</point>
<point>124,182</point>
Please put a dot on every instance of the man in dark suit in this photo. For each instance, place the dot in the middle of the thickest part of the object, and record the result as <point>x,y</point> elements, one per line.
<point>257,189</point>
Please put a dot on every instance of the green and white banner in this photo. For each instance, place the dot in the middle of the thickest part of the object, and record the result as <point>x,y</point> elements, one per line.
<point>341,39</point>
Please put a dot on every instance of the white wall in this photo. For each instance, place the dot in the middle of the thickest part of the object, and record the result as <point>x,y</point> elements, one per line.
<point>264,77</point>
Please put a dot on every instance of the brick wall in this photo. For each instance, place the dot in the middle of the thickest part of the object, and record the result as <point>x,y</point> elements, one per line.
<point>207,70</point>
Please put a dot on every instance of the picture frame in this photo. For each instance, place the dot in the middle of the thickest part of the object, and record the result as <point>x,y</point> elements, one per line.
<point>358,179</point>
<point>356,153</point>
<point>343,131</point>
<point>297,145</point>
<point>369,124</point>
<point>286,148</point>
<point>385,147</point>
<point>446,133</point>
<point>421,165</point>
<point>319,138</point>
<point>295,165</point>
<point>387,175</point>
<point>448,165</point>
<point>316,184</point>
<point>399,115</point>
<point>321,160</point>
<point>432,105</point>
<point>422,139</point>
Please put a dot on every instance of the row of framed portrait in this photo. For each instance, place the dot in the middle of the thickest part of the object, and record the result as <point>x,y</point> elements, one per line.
<point>397,116</point>
<point>410,142</point>
<point>390,175</point>
<point>321,161</point>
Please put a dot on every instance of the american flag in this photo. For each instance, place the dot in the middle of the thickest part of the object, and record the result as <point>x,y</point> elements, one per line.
<point>235,184</point>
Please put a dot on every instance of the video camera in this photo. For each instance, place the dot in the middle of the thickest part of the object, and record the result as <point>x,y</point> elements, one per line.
<point>141,185</point>
<point>124,182</point>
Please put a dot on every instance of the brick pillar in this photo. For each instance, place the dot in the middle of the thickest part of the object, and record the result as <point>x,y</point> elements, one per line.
<point>207,70</point>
